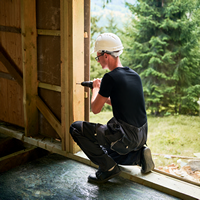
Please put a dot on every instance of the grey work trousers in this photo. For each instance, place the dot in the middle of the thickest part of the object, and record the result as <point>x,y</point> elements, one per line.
<point>97,147</point>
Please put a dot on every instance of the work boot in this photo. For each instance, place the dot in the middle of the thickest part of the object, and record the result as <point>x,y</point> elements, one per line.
<point>104,176</point>
<point>146,160</point>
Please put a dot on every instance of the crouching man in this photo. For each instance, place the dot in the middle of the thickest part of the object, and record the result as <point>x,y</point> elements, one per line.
<point>122,139</point>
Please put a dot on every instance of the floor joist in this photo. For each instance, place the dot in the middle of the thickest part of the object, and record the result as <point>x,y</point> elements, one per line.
<point>154,180</point>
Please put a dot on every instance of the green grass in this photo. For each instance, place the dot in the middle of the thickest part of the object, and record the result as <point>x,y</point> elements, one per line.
<point>172,135</point>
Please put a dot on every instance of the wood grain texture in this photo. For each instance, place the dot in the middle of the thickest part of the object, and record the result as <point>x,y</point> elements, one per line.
<point>29,52</point>
<point>11,93</point>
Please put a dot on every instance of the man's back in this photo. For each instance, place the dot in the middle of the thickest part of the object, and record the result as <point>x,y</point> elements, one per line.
<point>124,87</point>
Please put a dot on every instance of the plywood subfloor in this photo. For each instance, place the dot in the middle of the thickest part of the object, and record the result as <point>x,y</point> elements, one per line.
<point>57,177</point>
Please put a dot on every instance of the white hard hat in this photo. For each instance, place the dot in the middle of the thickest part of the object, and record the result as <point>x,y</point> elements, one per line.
<point>108,42</point>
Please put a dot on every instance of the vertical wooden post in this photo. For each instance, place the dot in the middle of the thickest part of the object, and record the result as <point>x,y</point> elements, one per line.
<point>87,56</point>
<point>29,54</point>
<point>66,70</point>
<point>72,67</point>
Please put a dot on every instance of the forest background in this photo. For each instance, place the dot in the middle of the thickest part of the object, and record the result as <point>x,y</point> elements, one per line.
<point>161,43</point>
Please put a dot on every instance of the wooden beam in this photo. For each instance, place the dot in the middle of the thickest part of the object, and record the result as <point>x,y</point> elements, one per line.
<point>177,177</point>
<point>66,70</point>
<point>6,76</point>
<point>54,122</point>
<point>40,141</point>
<point>72,67</point>
<point>14,159</point>
<point>87,56</point>
<point>78,65</point>
<point>11,66</point>
<point>10,29</point>
<point>49,87</point>
<point>29,54</point>
<point>20,158</point>
<point>48,32</point>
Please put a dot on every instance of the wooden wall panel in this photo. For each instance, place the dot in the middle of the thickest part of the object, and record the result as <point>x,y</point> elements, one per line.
<point>10,13</point>
<point>48,55</point>
<point>11,98</point>
<point>48,14</point>
<point>11,94</point>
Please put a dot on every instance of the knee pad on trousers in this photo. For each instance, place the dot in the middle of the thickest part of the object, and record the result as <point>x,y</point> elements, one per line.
<point>76,126</point>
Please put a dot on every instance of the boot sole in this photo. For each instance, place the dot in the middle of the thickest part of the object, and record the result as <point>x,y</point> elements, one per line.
<point>95,180</point>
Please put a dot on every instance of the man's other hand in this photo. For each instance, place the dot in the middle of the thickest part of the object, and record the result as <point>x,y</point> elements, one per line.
<point>97,83</point>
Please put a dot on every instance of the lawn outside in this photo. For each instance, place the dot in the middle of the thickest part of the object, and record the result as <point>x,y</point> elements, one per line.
<point>172,135</point>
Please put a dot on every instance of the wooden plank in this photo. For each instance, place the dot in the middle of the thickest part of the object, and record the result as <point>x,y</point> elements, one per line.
<point>4,104</point>
<point>45,143</point>
<point>78,63</point>
<point>72,62</point>
<point>9,146</point>
<point>48,32</point>
<point>49,86</point>
<point>6,76</point>
<point>66,70</point>
<point>87,56</point>
<point>52,100</point>
<point>11,66</point>
<point>29,52</point>
<point>162,183</point>
<point>14,159</point>
<point>10,29</point>
<point>177,177</point>
<point>49,116</point>
<point>20,157</point>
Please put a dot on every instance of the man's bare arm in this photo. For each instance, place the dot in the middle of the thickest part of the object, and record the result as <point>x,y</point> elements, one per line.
<point>109,101</point>
<point>97,101</point>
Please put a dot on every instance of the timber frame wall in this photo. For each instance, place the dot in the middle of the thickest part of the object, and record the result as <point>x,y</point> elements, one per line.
<point>41,60</point>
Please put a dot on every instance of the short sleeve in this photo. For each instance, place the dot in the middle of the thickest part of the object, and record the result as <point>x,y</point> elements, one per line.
<point>106,86</point>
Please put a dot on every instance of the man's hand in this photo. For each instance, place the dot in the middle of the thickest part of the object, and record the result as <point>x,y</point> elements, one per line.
<point>96,83</point>
<point>97,100</point>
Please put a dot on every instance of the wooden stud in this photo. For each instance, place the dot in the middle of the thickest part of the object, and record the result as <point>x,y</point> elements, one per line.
<point>49,116</point>
<point>87,56</point>
<point>6,76</point>
<point>78,65</point>
<point>10,29</point>
<point>48,32</point>
<point>66,70</point>
<point>49,87</point>
<point>29,54</point>
<point>11,66</point>
<point>15,159</point>
<point>72,66</point>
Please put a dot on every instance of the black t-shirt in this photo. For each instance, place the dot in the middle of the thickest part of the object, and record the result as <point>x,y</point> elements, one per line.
<point>124,87</point>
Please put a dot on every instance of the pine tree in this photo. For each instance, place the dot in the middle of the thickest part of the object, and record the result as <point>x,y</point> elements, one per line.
<point>112,26</point>
<point>95,68</point>
<point>163,49</point>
